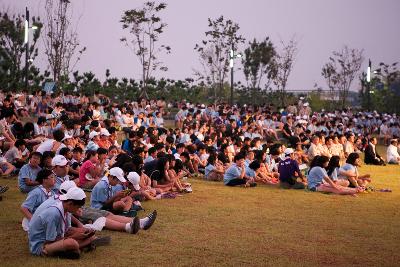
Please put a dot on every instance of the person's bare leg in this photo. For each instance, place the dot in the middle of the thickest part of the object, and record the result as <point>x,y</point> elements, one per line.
<point>118,218</point>
<point>115,225</point>
<point>68,244</point>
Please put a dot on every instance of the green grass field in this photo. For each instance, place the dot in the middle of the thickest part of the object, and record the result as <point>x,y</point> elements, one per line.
<point>263,226</point>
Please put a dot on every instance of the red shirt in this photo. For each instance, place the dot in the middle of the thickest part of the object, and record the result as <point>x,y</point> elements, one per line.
<point>85,169</point>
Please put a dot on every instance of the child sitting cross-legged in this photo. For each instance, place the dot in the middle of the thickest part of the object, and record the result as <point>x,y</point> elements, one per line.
<point>104,195</point>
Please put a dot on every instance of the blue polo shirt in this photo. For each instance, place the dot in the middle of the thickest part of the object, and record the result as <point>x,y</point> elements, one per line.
<point>59,181</point>
<point>46,226</point>
<point>101,192</point>
<point>250,172</point>
<point>233,172</point>
<point>316,176</point>
<point>27,172</point>
<point>287,169</point>
<point>36,197</point>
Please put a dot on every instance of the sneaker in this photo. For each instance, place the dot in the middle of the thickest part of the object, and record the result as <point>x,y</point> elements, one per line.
<point>130,213</point>
<point>135,225</point>
<point>3,189</point>
<point>152,217</point>
<point>72,255</point>
<point>188,189</point>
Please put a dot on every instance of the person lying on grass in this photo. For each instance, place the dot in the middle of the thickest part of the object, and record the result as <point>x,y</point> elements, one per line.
<point>27,175</point>
<point>318,179</point>
<point>104,195</point>
<point>50,232</point>
<point>236,173</point>
<point>350,171</point>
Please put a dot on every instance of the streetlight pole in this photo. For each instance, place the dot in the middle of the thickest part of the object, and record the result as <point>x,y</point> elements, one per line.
<point>369,85</point>
<point>232,56</point>
<point>26,41</point>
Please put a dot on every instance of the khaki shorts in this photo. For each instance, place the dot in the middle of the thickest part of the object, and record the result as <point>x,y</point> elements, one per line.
<point>91,214</point>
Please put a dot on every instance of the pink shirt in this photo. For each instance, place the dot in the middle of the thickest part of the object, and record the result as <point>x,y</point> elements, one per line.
<point>85,169</point>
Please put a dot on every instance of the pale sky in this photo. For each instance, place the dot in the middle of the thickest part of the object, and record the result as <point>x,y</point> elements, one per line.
<point>322,26</point>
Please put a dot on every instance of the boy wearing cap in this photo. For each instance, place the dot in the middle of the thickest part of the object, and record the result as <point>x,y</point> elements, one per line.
<point>94,138</point>
<point>104,197</point>
<point>27,175</point>
<point>288,169</point>
<point>60,169</point>
<point>48,229</point>
<point>104,141</point>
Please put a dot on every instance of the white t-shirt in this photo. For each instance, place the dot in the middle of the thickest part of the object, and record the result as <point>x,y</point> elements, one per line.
<point>47,145</point>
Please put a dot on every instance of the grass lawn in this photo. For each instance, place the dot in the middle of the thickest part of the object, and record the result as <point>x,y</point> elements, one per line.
<point>263,226</point>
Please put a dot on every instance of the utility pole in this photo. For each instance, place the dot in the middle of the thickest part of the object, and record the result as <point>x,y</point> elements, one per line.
<point>26,41</point>
<point>369,85</point>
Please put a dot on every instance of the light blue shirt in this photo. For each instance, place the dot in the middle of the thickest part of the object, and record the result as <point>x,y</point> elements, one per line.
<point>46,226</point>
<point>59,181</point>
<point>209,168</point>
<point>36,197</point>
<point>316,176</point>
<point>27,172</point>
<point>101,192</point>
<point>233,172</point>
<point>250,172</point>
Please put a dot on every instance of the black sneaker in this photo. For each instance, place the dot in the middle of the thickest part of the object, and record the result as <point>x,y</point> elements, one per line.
<point>152,217</point>
<point>72,255</point>
<point>3,189</point>
<point>135,225</point>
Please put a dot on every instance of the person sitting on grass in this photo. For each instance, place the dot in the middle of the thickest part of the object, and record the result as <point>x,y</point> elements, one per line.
<point>89,173</point>
<point>371,155</point>
<point>6,168</point>
<point>333,171</point>
<point>60,170</point>
<point>213,170</point>
<point>100,219</point>
<point>27,175</point>
<point>349,171</point>
<point>38,195</point>
<point>17,155</point>
<point>289,172</point>
<point>392,153</point>
<point>236,173</point>
<point>50,232</point>
<point>318,179</point>
<point>104,195</point>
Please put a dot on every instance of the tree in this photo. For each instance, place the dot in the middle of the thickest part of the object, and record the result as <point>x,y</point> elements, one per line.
<point>214,51</point>
<point>61,39</point>
<point>341,70</point>
<point>284,64</point>
<point>146,26</point>
<point>12,49</point>
<point>259,62</point>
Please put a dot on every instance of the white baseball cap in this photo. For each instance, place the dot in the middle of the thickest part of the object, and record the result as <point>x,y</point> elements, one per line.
<point>67,185</point>
<point>119,173</point>
<point>67,136</point>
<point>134,179</point>
<point>74,193</point>
<point>289,151</point>
<point>105,132</point>
<point>59,160</point>
<point>93,134</point>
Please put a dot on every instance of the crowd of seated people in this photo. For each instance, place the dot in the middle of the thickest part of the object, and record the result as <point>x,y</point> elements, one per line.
<point>123,154</point>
